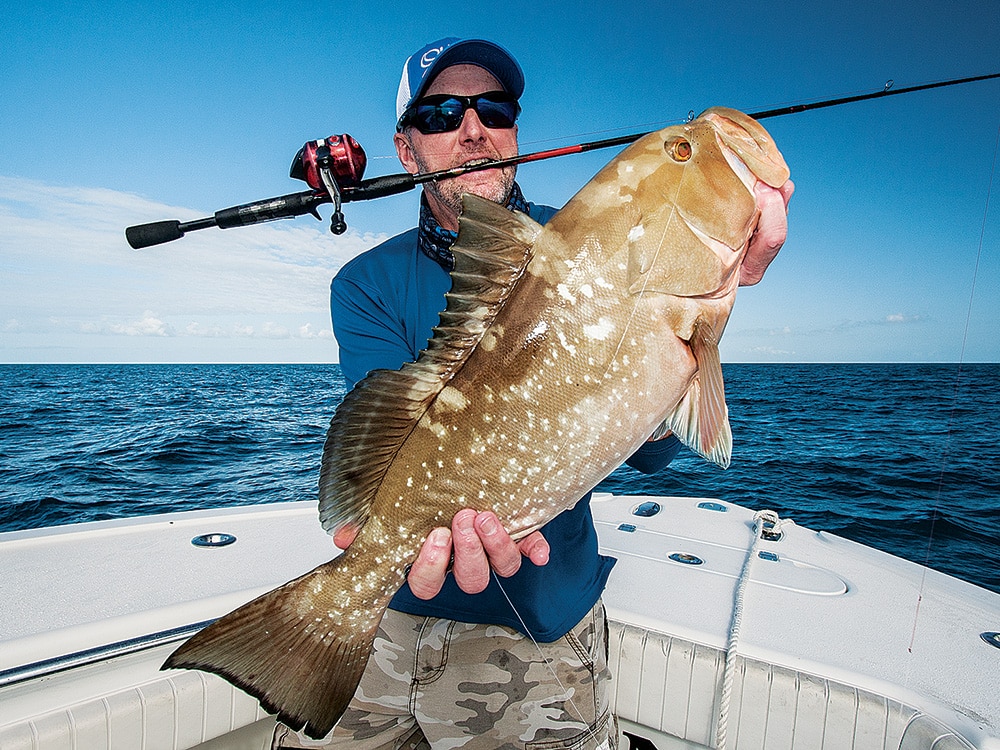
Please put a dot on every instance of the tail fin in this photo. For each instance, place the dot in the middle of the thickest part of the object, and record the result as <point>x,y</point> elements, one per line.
<point>296,649</point>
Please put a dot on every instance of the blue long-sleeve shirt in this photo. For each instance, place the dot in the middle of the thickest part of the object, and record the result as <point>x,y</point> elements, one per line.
<point>384,305</point>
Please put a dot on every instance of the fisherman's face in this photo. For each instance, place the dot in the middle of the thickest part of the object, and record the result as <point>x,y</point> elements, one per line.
<point>471,142</point>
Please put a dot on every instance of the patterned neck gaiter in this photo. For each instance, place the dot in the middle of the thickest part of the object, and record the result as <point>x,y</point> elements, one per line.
<point>435,242</point>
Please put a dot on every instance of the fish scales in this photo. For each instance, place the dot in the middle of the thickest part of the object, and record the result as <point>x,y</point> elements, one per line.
<point>561,349</point>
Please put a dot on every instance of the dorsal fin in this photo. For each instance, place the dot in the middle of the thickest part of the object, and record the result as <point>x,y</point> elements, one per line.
<point>375,418</point>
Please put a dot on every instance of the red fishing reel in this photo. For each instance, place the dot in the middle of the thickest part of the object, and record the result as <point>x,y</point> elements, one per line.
<point>330,164</point>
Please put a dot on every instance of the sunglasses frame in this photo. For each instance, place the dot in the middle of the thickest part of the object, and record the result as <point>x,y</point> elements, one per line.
<point>410,117</point>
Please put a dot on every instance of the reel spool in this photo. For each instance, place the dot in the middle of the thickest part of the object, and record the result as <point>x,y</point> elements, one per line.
<point>330,164</point>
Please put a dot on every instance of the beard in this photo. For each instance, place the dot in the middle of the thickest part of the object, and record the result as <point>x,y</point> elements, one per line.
<point>449,191</point>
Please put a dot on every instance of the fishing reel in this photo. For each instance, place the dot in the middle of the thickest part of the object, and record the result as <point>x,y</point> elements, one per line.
<point>331,164</point>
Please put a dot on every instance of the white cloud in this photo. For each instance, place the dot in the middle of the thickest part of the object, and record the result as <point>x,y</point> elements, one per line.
<point>200,329</point>
<point>271,330</point>
<point>308,332</point>
<point>67,269</point>
<point>148,325</point>
<point>897,318</point>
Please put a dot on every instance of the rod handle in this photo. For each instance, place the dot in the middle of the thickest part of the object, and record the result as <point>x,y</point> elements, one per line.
<point>156,233</point>
<point>379,187</point>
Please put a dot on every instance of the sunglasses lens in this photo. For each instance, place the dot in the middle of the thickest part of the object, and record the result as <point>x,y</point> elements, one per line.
<point>438,117</point>
<point>442,114</point>
<point>497,114</point>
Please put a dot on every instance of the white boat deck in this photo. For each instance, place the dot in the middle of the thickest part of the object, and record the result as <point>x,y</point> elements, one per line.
<point>840,645</point>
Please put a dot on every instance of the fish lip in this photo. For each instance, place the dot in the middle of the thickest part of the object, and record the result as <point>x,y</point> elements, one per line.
<point>739,167</point>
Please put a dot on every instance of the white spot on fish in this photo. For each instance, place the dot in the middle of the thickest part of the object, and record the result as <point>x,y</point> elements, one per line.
<point>437,428</point>
<point>601,330</point>
<point>566,345</point>
<point>636,232</point>
<point>451,399</point>
<point>538,331</point>
<point>565,293</point>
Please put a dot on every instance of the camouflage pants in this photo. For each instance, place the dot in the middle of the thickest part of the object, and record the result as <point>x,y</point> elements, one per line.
<point>433,683</point>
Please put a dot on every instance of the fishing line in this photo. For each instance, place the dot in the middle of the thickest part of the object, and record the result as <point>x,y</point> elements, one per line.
<point>548,664</point>
<point>946,453</point>
<point>773,110</point>
<point>545,659</point>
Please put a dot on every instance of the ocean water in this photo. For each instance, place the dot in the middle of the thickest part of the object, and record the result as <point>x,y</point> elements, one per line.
<point>902,457</point>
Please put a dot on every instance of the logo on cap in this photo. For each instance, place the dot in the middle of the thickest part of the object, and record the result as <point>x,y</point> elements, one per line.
<point>430,56</point>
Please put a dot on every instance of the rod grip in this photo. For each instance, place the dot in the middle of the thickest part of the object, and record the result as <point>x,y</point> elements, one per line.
<point>270,209</point>
<point>145,235</point>
<point>379,187</point>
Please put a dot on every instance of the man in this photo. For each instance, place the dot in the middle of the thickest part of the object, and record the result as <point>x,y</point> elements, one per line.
<point>461,659</point>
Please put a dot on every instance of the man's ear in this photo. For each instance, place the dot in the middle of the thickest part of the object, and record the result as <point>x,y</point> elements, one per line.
<point>404,150</point>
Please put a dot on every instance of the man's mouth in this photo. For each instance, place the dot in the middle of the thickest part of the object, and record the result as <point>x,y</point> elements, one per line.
<point>478,161</point>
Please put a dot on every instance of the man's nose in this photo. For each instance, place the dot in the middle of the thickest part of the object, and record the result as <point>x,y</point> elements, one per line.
<point>472,128</point>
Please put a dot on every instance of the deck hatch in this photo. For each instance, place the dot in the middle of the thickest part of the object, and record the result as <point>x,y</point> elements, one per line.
<point>717,507</point>
<point>646,509</point>
<point>683,557</point>
<point>216,539</point>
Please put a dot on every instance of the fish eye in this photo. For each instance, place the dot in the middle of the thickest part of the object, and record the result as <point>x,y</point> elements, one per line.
<point>678,149</point>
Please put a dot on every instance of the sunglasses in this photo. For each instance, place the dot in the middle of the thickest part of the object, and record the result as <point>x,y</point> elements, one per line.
<point>442,113</point>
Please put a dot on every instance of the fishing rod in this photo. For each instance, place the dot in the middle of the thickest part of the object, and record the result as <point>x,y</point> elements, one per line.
<point>333,168</point>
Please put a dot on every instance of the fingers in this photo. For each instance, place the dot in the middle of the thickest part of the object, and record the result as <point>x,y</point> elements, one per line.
<point>503,553</point>
<point>476,544</point>
<point>472,562</point>
<point>772,229</point>
<point>535,548</point>
<point>786,192</point>
<point>427,574</point>
<point>343,536</point>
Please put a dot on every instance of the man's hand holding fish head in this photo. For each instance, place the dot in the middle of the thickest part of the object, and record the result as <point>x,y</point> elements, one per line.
<point>771,230</point>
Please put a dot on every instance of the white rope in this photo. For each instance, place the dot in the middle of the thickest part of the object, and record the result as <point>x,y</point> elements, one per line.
<point>760,519</point>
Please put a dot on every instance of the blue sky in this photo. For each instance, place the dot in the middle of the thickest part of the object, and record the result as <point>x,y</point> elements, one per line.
<point>113,114</point>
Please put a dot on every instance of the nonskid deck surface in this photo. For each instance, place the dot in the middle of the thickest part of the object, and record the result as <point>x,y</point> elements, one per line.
<point>836,637</point>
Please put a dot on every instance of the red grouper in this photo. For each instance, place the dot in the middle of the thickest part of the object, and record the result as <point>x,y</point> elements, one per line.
<point>561,349</point>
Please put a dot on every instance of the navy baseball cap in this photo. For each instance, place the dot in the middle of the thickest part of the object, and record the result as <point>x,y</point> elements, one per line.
<point>421,67</point>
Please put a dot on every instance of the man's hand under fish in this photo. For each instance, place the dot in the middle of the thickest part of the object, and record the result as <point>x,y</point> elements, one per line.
<point>477,543</point>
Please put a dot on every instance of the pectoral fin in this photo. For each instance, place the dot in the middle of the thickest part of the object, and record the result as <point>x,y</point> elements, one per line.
<point>701,419</point>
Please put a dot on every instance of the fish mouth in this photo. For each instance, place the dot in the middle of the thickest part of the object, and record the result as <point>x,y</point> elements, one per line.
<point>721,249</point>
<point>739,167</point>
<point>740,134</point>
